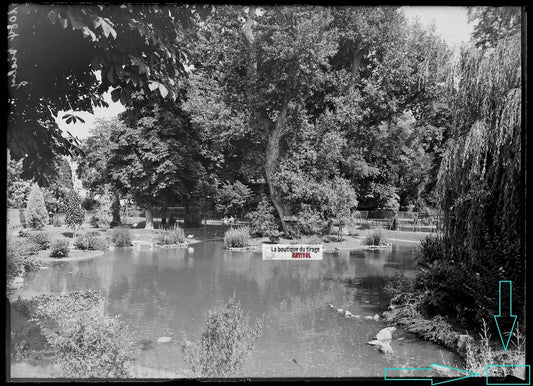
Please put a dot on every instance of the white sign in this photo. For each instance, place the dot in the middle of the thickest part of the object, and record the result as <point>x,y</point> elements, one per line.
<point>292,251</point>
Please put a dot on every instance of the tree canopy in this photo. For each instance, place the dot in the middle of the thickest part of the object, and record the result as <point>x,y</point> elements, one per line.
<point>95,49</point>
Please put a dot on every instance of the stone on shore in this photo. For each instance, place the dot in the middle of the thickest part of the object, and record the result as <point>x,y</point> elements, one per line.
<point>385,333</point>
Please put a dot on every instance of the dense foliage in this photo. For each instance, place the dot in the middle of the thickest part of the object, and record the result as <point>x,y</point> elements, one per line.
<point>96,48</point>
<point>480,189</point>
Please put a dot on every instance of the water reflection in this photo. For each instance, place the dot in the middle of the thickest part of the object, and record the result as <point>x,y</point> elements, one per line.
<point>168,292</point>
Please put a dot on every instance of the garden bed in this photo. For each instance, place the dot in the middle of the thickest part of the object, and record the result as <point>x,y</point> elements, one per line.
<point>74,254</point>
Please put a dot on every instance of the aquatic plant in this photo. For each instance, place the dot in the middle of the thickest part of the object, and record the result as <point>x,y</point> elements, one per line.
<point>171,235</point>
<point>226,342</point>
<point>376,238</point>
<point>237,237</point>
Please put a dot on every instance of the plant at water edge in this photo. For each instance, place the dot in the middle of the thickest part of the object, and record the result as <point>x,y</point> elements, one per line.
<point>376,238</point>
<point>237,237</point>
<point>227,340</point>
<point>85,343</point>
<point>479,355</point>
<point>171,235</point>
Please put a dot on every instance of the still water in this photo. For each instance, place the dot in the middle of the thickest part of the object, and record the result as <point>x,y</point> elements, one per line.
<point>168,292</point>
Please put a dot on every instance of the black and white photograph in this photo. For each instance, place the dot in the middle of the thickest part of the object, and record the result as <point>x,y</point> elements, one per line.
<point>266,192</point>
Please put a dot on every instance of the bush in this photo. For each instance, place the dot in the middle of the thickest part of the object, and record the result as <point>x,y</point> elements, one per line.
<point>431,249</point>
<point>90,241</point>
<point>262,219</point>
<point>36,213</point>
<point>225,343</point>
<point>171,235</point>
<point>83,341</point>
<point>376,237</point>
<point>237,237</point>
<point>41,239</point>
<point>120,237</point>
<point>57,222</point>
<point>60,248</point>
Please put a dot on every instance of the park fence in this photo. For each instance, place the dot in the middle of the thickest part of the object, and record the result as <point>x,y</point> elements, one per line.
<point>429,221</point>
<point>15,219</point>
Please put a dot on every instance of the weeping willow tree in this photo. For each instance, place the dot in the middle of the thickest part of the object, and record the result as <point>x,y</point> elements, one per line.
<point>479,180</point>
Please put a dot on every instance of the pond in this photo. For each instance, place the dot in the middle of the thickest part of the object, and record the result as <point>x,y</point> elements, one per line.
<point>168,292</point>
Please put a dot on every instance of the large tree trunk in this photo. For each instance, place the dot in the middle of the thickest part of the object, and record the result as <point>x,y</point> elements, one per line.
<point>272,129</point>
<point>193,215</point>
<point>357,57</point>
<point>115,208</point>
<point>149,218</point>
<point>274,132</point>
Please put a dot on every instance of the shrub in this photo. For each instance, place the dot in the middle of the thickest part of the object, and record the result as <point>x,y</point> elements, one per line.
<point>376,237</point>
<point>41,239</point>
<point>60,248</point>
<point>237,237</point>
<point>262,219</point>
<point>431,249</point>
<point>90,241</point>
<point>398,285</point>
<point>226,342</point>
<point>171,235</point>
<point>84,342</point>
<point>120,237</point>
<point>57,222</point>
<point>36,213</point>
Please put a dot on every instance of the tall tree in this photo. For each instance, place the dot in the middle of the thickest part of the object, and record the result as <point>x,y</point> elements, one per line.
<point>255,65</point>
<point>155,156</point>
<point>480,181</point>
